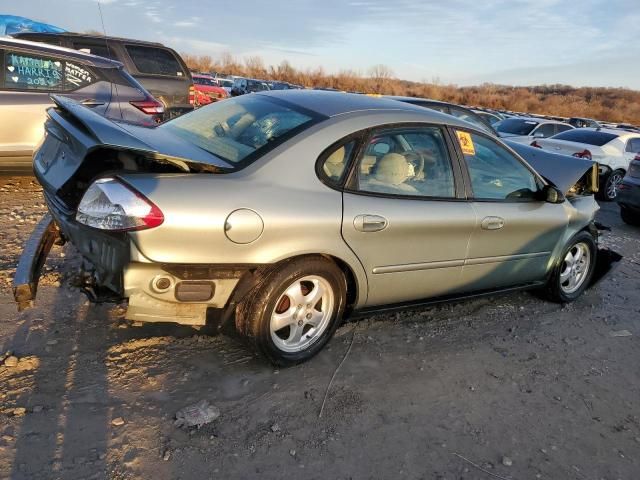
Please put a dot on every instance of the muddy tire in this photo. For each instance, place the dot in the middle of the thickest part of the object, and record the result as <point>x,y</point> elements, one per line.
<point>572,274</point>
<point>294,310</point>
<point>609,188</point>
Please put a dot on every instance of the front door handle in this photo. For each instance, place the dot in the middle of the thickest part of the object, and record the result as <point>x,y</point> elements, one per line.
<point>492,223</point>
<point>370,223</point>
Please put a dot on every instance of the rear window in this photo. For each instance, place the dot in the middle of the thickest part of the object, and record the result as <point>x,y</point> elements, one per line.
<point>155,61</point>
<point>98,49</point>
<point>205,81</point>
<point>241,129</point>
<point>590,137</point>
<point>516,126</point>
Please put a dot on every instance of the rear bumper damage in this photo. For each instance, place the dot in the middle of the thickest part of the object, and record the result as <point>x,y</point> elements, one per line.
<point>156,292</point>
<point>34,254</point>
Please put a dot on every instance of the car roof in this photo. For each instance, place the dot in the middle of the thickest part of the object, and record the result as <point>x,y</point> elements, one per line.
<point>86,58</point>
<point>89,36</point>
<point>331,104</point>
<point>538,120</point>
<point>419,99</point>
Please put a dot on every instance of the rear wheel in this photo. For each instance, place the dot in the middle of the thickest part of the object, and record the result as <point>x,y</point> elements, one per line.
<point>294,310</point>
<point>629,217</point>
<point>610,188</point>
<point>574,271</point>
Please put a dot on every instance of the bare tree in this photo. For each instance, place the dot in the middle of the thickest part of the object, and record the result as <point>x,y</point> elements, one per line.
<point>381,75</point>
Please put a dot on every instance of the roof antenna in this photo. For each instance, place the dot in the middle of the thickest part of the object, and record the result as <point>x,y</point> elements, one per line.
<point>106,42</point>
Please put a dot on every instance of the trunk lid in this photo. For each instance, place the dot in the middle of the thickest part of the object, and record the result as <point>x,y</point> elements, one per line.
<point>80,145</point>
<point>569,148</point>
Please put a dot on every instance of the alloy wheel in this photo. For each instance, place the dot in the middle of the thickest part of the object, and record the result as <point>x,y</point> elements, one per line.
<point>612,185</point>
<point>302,314</point>
<point>575,267</point>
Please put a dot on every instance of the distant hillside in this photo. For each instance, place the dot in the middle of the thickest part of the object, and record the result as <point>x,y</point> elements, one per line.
<point>608,104</point>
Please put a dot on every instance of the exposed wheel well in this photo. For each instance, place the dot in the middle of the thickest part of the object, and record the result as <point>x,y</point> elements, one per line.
<point>352,284</point>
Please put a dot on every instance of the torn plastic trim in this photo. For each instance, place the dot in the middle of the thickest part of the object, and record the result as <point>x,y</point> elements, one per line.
<point>32,259</point>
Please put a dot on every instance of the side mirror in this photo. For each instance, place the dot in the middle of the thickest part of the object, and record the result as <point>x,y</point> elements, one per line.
<point>551,194</point>
<point>538,135</point>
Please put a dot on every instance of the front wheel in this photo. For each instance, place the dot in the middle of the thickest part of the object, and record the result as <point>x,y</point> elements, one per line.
<point>574,271</point>
<point>610,189</point>
<point>294,310</point>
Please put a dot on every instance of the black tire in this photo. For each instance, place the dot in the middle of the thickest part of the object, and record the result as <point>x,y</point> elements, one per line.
<point>606,192</point>
<point>554,290</point>
<point>254,313</point>
<point>629,217</point>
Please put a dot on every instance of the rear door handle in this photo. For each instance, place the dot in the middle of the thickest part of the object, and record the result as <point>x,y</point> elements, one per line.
<point>370,223</point>
<point>492,223</point>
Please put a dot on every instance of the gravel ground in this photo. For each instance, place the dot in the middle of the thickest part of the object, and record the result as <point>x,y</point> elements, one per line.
<point>506,387</point>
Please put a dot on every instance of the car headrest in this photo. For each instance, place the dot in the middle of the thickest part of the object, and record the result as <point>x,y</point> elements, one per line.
<point>392,169</point>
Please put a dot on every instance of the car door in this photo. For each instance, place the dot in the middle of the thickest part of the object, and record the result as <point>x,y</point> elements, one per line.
<point>404,214</point>
<point>516,231</point>
<point>632,149</point>
<point>27,80</point>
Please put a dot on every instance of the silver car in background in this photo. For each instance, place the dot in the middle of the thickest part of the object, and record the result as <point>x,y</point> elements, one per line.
<point>32,71</point>
<point>527,129</point>
<point>286,212</point>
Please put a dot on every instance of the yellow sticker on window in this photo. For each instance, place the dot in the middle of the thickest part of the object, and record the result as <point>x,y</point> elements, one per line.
<point>466,143</point>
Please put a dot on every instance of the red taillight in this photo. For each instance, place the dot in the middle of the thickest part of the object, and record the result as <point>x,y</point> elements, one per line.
<point>637,157</point>
<point>192,95</point>
<point>583,154</point>
<point>149,106</point>
<point>535,144</point>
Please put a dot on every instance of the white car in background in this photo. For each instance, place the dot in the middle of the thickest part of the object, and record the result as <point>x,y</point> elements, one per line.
<point>225,83</point>
<point>527,129</point>
<point>613,149</point>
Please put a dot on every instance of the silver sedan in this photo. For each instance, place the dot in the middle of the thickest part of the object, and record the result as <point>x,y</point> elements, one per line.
<point>286,212</point>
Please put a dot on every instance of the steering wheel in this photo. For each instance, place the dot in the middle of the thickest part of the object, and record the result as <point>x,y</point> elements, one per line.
<point>418,160</point>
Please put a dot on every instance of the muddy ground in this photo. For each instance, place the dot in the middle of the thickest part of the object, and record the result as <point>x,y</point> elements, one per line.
<point>513,385</point>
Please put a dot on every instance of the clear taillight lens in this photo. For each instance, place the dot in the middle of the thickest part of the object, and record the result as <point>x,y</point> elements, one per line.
<point>109,204</point>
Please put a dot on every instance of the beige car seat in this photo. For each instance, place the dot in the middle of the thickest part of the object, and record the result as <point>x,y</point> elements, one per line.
<point>391,172</point>
<point>334,164</point>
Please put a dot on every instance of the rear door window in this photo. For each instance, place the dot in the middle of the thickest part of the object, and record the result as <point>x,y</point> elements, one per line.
<point>545,131</point>
<point>562,128</point>
<point>633,145</point>
<point>406,161</point>
<point>25,71</point>
<point>155,61</point>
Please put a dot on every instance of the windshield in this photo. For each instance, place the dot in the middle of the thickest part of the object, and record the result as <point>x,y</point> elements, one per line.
<point>239,127</point>
<point>516,126</point>
<point>582,135</point>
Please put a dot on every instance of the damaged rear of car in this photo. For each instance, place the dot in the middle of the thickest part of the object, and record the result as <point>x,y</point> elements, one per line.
<point>97,177</point>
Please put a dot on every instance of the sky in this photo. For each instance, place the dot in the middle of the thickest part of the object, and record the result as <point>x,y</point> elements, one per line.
<point>464,42</point>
